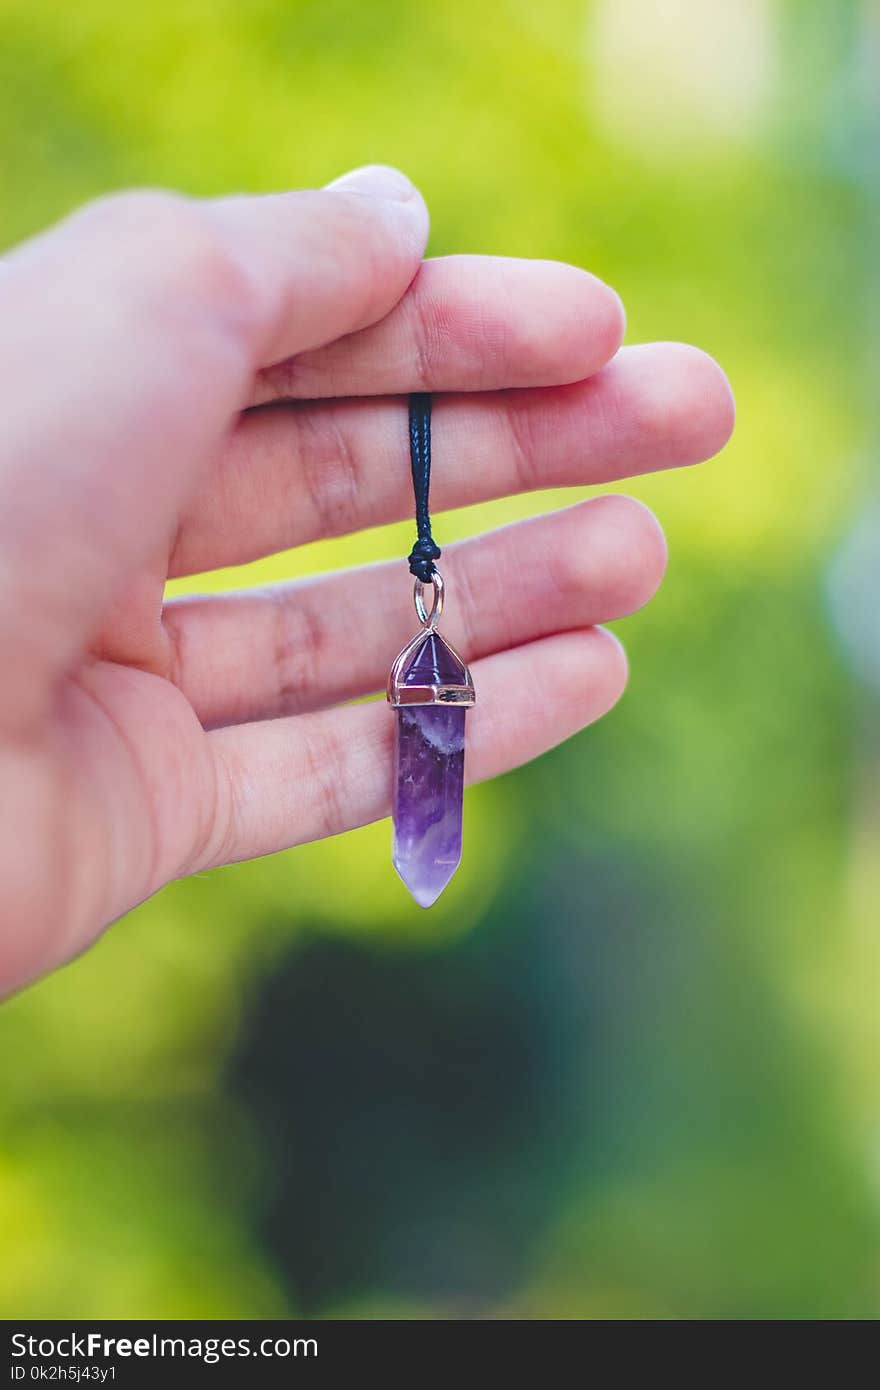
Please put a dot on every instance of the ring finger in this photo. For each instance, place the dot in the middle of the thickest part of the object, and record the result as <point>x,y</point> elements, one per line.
<point>301,646</point>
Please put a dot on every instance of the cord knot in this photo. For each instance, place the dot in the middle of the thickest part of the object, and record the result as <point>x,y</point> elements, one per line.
<point>422,557</point>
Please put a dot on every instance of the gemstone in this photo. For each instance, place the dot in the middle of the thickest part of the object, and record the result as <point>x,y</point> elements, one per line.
<point>429,775</point>
<point>434,663</point>
<point>428,797</point>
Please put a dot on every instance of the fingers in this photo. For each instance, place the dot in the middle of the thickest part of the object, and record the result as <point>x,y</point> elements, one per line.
<point>294,473</point>
<point>129,336</point>
<point>466,323</point>
<point>297,647</point>
<point>287,781</point>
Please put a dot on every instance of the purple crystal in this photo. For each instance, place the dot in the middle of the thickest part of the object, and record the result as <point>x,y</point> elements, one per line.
<point>428,794</point>
<point>429,775</point>
<point>434,664</point>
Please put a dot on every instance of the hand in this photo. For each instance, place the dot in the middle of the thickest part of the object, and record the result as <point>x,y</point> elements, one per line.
<point>141,741</point>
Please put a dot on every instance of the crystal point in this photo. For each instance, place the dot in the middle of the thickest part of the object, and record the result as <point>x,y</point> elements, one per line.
<point>428,796</point>
<point>434,663</point>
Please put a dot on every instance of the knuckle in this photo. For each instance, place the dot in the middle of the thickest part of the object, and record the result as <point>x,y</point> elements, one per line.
<point>432,334</point>
<point>525,426</point>
<point>300,644</point>
<point>450,323</point>
<point>657,411</point>
<point>200,267</point>
<point>181,256</point>
<point>218,835</point>
<point>331,474</point>
<point>323,777</point>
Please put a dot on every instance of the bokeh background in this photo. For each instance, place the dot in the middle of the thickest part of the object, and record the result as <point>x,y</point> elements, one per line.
<point>628,1066</point>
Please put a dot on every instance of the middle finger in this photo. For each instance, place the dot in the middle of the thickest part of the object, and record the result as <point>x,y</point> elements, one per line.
<point>295,473</point>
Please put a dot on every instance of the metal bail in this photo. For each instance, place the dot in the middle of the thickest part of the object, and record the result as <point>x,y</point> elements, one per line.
<point>403,689</point>
<point>432,618</point>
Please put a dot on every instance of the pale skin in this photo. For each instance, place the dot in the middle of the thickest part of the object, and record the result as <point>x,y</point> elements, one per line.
<point>141,739</point>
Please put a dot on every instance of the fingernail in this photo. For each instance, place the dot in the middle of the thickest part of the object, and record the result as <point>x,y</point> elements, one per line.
<point>377,180</point>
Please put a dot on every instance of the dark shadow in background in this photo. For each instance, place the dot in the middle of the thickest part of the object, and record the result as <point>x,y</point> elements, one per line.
<point>424,1111</point>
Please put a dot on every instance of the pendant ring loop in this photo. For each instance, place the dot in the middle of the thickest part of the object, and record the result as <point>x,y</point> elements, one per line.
<point>429,618</point>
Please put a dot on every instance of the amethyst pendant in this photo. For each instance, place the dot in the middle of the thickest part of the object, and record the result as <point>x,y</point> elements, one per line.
<point>431,688</point>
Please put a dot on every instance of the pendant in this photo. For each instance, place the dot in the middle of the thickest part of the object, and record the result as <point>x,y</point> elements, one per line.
<point>431,689</point>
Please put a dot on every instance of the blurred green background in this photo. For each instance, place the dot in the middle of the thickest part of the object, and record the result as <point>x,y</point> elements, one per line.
<point>628,1066</point>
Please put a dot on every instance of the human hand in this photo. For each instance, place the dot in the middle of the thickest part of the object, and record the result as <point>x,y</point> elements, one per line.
<point>140,742</point>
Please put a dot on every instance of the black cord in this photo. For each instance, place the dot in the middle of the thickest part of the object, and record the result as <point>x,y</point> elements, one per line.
<point>425,551</point>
